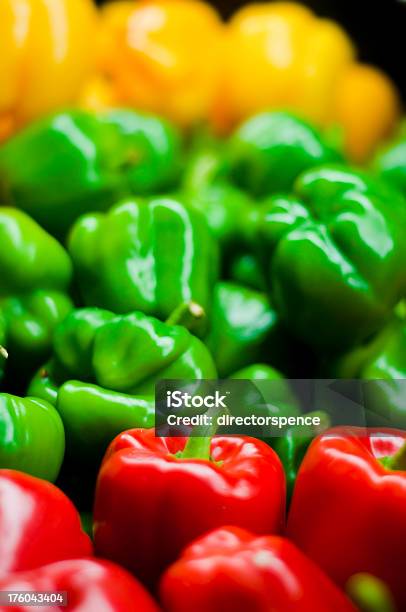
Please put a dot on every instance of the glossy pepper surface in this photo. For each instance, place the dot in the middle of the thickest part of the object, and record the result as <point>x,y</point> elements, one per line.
<point>271,394</point>
<point>335,255</point>
<point>148,256</point>
<point>232,570</point>
<point>265,393</point>
<point>381,364</point>
<point>104,369</point>
<point>206,186</point>
<point>32,437</point>
<point>46,53</point>
<point>89,584</point>
<point>242,326</point>
<point>347,511</point>
<point>269,151</point>
<point>126,353</point>
<point>35,274</point>
<point>242,483</point>
<point>390,161</point>
<point>85,162</point>
<point>38,524</point>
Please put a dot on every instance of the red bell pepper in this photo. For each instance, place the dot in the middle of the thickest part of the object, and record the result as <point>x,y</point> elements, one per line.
<point>348,511</point>
<point>90,586</point>
<point>38,524</point>
<point>232,570</point>
<point>151,501</point>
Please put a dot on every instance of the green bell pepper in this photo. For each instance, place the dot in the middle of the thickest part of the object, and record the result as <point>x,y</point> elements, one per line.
<point>291,447</point>
<point>246,270</point>
<point>148,256</point>
<point>257,371</point>
<point>32,437</point>
<point>93,416</point>
<point>206,187</point>
<point>381,363</point>
<point>116,361</point>
<point>390,161</point>
<point>35,274</point>
<point>243,327</point>
<point>279,397</point>
<point>225,208</point>
<point>269,151</point>
<point>75,162</point>
<point>127,353</point>
<point>335,256</point>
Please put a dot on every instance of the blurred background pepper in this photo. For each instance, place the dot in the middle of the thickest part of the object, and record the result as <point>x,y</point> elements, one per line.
<point>42,42</point>
<point>272,55</point>
<point>182,60</point>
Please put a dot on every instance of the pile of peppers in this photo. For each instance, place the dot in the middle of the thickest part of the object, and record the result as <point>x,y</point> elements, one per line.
<point>163,216</point>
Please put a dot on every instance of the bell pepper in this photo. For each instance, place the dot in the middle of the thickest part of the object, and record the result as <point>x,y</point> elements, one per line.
<point>269,151</point>
<point>163,56</point>
<point>257,371</point>
<point>32,437</point>
<point>149,256</point>
<point>280,393</point>
<point>206,187</point>
<point>349,504</point>
<point>225,208</point>
<point>93,416</point>
<point>286,46</point>
<point>201,485</point>
<point>269,394</point>
<point>116,361</point>
<point>38,524</point>
<point>292,444</point>
<point>390,161</point>
<point>84,162</point>
<point>35,274</point>
<point>335,256</point>
<point>245,270</point>
<point>244,327</point>
<point>381,364</point>
<point>233,570</point>
<point>365,125</point>
<point>46,53</point>
<point>89,585</point>
<point>127,353</point>
<point>281,55</point>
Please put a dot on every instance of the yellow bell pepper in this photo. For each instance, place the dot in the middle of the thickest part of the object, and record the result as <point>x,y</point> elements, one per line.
<point>45,55</point>
<point>281,55</point>
<point>367,105</point>
<point>163,56</point>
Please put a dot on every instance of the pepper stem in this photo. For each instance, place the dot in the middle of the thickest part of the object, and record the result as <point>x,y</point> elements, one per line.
<point>396,461</point>
<point>199,442</point>
<point>370,594</point>
<point>188,314</point>
<point>3,352</point>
